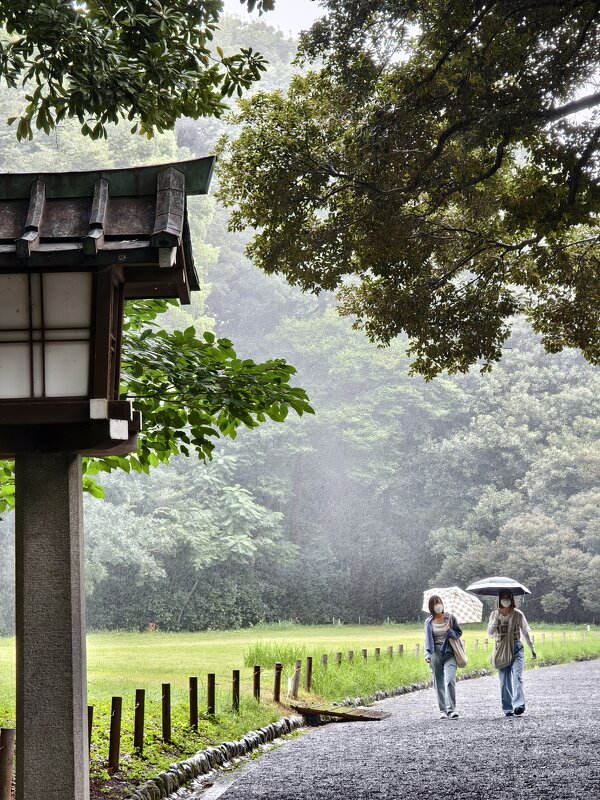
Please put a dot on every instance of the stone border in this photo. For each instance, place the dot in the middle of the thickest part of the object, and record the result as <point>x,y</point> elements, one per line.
<point>411,687</point>
<point>211,759</point>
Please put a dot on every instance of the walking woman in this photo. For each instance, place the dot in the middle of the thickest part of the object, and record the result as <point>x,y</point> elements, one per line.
<point>439,629</point>
<point>507,625</point>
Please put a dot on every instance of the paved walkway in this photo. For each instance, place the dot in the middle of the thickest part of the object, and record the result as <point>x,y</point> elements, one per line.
<point>551,753</point>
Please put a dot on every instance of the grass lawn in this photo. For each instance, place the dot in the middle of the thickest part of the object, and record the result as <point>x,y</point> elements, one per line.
<point>121,662</point>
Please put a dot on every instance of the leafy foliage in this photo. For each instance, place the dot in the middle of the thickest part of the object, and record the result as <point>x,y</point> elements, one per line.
<point>146,62</point>
<point>189,391</point>
<point>439,168</point>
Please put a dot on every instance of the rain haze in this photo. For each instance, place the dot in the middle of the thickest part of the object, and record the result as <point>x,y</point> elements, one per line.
<point>323,541</point>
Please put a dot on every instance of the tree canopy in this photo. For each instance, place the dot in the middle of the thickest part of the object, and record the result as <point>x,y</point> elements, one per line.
<point>101,61</point>
<point>439,167</point>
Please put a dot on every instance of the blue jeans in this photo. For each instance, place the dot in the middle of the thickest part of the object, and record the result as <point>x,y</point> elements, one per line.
<point>511,680</point>
<point>443,667</point>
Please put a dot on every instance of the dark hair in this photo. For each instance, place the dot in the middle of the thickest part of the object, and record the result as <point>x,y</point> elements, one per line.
<point>507,593</point>
<point>435,598</point>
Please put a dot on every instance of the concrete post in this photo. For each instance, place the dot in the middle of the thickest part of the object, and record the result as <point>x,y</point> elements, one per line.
<point>52,750</point>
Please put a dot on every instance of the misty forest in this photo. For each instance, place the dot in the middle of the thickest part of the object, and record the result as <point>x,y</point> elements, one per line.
<point>394,484</point>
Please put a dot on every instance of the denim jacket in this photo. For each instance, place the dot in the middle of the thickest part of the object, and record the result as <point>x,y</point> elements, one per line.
<point>455,632</point>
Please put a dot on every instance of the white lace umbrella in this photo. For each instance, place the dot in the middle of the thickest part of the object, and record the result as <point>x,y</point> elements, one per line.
<point>465,607</point>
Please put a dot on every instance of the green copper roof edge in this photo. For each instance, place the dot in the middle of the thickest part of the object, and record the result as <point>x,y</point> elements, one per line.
<point>123,182</point>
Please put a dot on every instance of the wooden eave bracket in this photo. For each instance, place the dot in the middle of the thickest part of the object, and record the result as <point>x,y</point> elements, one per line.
<point>170,209</point>
<point>31,238</point>
<point>95,237</point>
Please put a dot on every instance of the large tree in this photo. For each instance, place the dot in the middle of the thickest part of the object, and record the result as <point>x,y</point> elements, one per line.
<point>439,167</point>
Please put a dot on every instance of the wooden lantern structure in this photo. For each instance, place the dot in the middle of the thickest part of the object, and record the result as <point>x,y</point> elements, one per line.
<point>73,247</point>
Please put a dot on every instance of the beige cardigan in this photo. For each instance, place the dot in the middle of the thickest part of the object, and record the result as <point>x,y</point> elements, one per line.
<point>520,626</point>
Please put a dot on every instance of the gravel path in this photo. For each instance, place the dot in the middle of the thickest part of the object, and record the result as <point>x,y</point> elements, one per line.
<point>553,751</point>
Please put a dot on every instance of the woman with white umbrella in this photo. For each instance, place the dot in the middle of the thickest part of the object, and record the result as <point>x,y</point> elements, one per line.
<point>440,627</point>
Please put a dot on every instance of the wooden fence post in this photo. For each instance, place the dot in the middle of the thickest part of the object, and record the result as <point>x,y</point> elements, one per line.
<point>400,649</point>
<point>475,645</point>
<point>391,650</point>
<point>378,652</point>
<point>7,753</point>
<point>210,694</point>
<point>235,694</point>
<point>256,682</point>
<point>277,687</point>
<point>138,720</point>
<point>486,644</point>
<point>365,654</point>
<point>324,660</point>
<point>338,659</point>
<point>416,651</point>
<point>308,679</point>
<point>194,703</point>
<point>296,679</point>
<point>350,656</point>
<point>90,724</point>
<point>166,712</point>
<point>115,734</point>
<point>543,638</point>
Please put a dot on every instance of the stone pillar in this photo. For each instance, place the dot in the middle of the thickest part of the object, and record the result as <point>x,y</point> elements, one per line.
<point>52,750</point>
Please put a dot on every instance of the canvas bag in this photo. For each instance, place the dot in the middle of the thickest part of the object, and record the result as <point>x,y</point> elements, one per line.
<point>458,649</point>
<point>504,646</point>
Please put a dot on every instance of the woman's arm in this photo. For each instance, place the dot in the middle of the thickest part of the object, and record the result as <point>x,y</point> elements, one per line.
<point>428,648</point>
<point>455,631</point>
<point>492,627</point>
<point>526,631</point>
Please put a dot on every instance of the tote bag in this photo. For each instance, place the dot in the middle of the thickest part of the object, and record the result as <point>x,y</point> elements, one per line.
<point>459,652</point>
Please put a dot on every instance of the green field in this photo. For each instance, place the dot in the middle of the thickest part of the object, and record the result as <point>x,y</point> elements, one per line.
<point>121,662</point>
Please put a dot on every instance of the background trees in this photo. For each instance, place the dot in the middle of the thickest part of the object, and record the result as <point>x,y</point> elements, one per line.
<point>394,484</point>
<point>435,167</point>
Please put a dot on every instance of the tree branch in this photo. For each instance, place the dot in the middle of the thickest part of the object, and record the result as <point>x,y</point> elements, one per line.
<point>589,101</point>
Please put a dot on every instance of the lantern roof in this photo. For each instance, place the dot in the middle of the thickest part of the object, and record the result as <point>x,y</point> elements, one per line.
<point>134,217</point>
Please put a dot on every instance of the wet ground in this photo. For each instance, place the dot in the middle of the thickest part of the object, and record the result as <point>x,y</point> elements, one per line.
<point>552,752</point>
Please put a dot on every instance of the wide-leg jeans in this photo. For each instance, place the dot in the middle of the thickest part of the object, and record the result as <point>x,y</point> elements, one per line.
<point>443,668</point>
<point>511,680</point>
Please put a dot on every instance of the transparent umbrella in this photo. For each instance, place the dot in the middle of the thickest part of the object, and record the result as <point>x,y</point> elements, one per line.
<point>497,584</point>
<point>465,607</point>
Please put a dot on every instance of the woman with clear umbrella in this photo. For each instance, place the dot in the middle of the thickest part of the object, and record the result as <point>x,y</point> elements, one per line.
<point>508,626</point>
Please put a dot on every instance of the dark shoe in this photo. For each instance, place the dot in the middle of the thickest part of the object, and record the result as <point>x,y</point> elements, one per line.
<point>519,710</point>
<point>508,714</point>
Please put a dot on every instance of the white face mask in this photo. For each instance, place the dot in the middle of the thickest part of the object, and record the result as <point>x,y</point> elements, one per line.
<point>438,608</point>
<point>506,603</point>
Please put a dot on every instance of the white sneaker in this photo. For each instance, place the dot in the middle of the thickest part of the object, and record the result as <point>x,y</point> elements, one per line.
<point>453,715</point>
<point>443,715</point>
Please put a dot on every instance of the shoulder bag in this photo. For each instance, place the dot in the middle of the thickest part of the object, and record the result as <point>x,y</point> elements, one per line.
<point>459,652</point>
<point>503,647</point>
